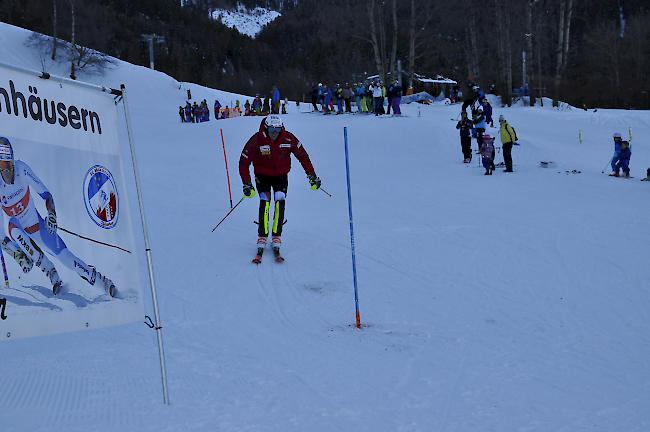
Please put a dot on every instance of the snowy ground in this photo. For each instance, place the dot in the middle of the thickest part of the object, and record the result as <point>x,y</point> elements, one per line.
<point>517,302</point>
<point>246,22</point>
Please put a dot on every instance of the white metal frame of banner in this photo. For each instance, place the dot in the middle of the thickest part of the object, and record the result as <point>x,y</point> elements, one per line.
<point>147,244</point>
<point>47,76</point>
<point>122,93</point>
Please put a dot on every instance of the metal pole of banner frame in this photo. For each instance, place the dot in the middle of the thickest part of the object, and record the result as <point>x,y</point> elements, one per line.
<point>158,327</point>
<point>46,76</point>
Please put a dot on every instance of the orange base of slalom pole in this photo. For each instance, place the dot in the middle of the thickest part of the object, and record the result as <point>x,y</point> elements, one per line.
<point>358,320</point>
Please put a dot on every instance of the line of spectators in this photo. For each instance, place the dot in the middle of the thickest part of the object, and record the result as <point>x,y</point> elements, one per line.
<point>194,113</point>
<point>369,97</point>
<point>198,113</point>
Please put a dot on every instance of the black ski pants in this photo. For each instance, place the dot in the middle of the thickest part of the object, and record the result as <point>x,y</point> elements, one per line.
<point>507,155</point>
<point>264,185</point>
<point>479,137</point>
<point>378,101</point>
<point>466,145</point>
<point>348,105</point>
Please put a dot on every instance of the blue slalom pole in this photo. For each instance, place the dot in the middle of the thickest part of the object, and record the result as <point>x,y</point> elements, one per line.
<point>354,256</point>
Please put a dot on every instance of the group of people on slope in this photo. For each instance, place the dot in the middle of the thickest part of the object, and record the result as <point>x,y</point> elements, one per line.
<point>196,113</point>
<point>369,98</point>
<point>271,104</point>
<point>226,112</point>
<point>481,111</point>
<point>268,106</point>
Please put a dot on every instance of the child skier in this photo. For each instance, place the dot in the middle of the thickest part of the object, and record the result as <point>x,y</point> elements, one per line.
<point>487,150</point>
<point>618,139</point>
<point>479,124</point>
<point>465,126</point>
<point>623,160</point>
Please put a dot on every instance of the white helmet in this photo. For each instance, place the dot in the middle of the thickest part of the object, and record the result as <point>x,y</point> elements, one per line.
<point>479,109</point>
<point>273,121</point>
<point>6,151</point>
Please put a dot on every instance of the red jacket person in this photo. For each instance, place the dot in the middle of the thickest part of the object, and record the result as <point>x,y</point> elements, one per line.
<point>269,150</point>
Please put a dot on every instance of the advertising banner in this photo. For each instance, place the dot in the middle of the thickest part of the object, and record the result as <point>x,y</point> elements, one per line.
<point>68,231</point>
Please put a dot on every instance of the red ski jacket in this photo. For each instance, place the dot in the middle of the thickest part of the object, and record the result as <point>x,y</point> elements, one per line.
<point>272,158</point>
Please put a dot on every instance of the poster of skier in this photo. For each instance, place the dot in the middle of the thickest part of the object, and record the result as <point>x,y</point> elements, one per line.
<point>69,233</point>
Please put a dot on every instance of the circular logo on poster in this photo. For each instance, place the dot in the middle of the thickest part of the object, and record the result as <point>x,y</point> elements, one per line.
<point>100,197</point>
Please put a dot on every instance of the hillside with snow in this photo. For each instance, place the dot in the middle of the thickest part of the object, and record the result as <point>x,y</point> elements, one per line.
<point>512,302</point>
<point>245,21</point>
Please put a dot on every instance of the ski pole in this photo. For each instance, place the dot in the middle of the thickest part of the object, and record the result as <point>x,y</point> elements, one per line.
<point>4,268</point>
<point>603,170</point>
<point>228,214</point>
<point>354,256</point>
<point>93,240</point>
<point>223,144</point>
<point>326,193</point>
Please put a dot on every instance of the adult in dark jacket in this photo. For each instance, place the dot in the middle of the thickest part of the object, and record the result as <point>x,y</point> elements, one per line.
<point>188,113</point>
<point>315,91</point>
<point>217,109</point>
<point>348,93</point>
<point>473,95</point>
<point>269,150</point>
<point>395,98</point>
<point>338,95</point>
<point>266,107</point>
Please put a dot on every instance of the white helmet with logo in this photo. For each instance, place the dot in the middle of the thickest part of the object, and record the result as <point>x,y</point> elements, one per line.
<point>6,151</point>
<point>273,121</point>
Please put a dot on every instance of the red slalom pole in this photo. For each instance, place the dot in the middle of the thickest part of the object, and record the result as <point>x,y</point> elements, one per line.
<point>225,159</point>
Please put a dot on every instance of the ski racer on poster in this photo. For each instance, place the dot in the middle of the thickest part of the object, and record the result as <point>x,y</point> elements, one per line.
<point>28,234</point>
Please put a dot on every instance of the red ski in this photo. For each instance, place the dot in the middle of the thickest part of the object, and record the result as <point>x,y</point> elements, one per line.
<point>278,258</point>
<point>258,257</point>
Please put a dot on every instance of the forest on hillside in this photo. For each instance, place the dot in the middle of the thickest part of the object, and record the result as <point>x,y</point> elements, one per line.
<point>585,52</point>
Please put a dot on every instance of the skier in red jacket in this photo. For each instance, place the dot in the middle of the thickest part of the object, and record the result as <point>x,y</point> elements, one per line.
<point>269,150</point>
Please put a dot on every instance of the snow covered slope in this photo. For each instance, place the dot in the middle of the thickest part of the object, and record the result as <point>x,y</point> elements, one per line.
<point>245,21</point>
<point>516,302</point>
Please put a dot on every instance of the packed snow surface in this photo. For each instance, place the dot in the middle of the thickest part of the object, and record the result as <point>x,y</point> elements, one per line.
<point>245,21</point>
<point>512,302</point>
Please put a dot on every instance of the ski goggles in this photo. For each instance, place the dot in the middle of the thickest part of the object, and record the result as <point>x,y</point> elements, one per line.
<point>273,129</point>
<point>6,153</point>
